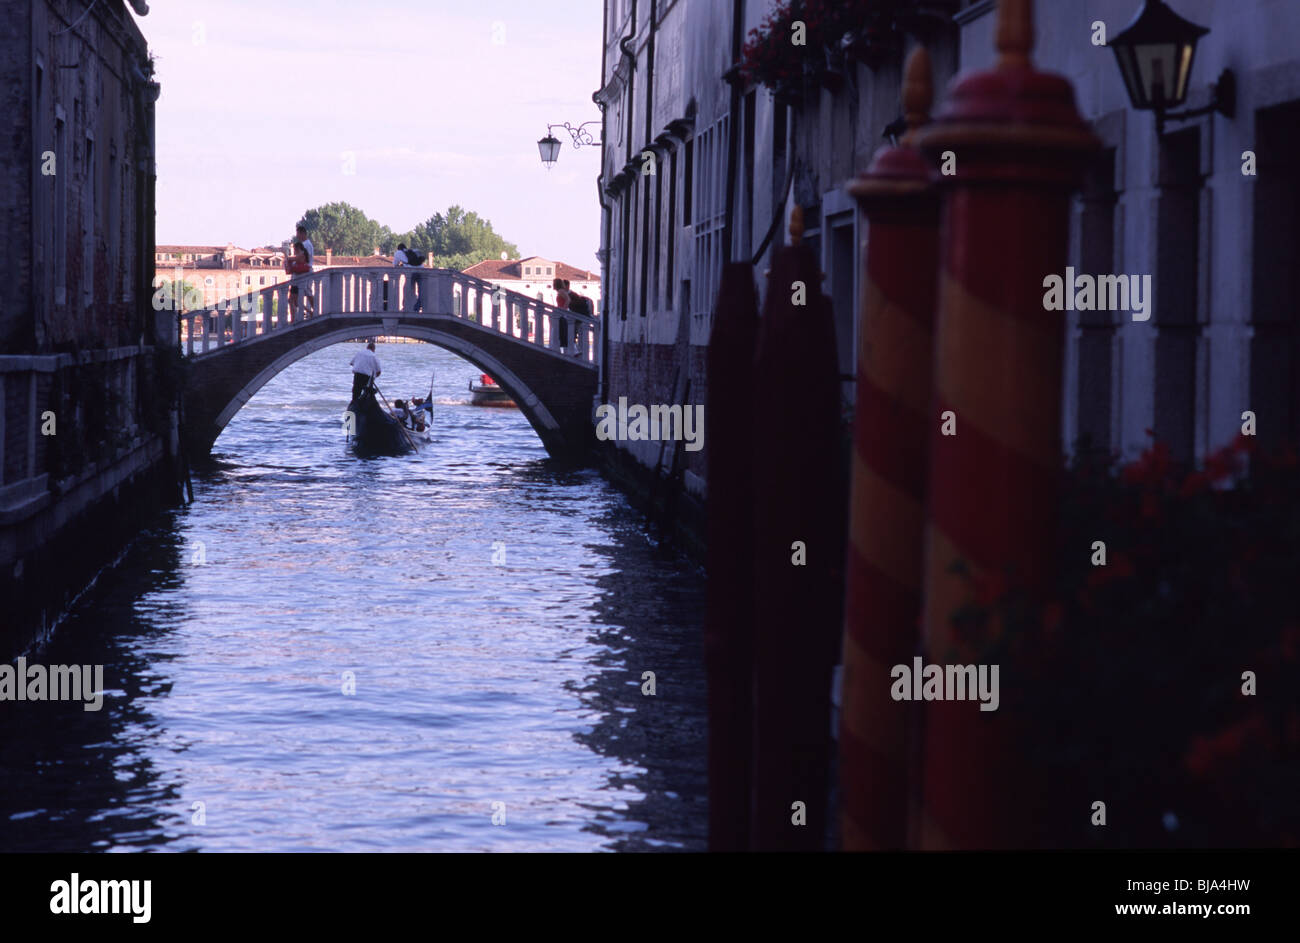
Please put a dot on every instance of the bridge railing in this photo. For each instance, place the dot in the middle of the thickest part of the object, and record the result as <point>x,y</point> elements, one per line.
<point>392,292</point>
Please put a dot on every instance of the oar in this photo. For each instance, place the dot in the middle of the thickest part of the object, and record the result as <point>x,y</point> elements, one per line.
<point>390,412</point>
<point>428,400</point>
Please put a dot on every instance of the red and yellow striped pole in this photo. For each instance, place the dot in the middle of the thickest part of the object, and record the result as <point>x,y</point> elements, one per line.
<point>882,603</point>
<point>1017,144</point>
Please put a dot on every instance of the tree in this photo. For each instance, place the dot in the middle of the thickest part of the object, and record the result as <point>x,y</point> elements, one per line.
<point>344,229</point>
<point>459,239</point>
<point>455,240</point>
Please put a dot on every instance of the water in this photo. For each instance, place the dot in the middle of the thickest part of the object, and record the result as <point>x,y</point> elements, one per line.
<point>496,614</point>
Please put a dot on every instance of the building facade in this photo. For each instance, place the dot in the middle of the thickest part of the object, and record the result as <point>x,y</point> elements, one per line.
<point>702,164</point>
<point>1219,241</point>
<point>86,409</point>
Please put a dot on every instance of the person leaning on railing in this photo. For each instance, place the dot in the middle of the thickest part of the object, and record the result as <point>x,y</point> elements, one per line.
<point>309,300</point>
<point>300,265</point>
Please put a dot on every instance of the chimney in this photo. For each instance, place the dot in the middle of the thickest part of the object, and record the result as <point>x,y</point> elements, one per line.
<point>329,254</point>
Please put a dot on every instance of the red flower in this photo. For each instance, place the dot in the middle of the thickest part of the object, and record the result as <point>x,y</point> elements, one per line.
<point>1206,753</point>
<point>1195,483</point>
<point>1221,465</point>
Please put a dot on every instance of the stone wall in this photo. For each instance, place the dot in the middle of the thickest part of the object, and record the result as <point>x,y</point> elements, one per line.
<point>87,382</point>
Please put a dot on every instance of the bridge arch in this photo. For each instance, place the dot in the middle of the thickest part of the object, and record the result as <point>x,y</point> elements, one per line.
<point>530,404</point>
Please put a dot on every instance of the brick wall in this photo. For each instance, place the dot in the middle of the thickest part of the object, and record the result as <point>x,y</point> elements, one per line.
<point>645,374</point>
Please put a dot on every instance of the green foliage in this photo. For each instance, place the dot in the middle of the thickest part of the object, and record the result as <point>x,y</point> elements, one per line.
<point>343,228</point>
<point>456,239</point>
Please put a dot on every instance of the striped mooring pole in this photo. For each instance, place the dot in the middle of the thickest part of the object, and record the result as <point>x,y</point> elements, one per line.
<point>1017,147</point>
<point>884,563</point>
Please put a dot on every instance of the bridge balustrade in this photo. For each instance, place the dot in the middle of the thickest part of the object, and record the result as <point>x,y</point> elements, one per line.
<point>387,291</point>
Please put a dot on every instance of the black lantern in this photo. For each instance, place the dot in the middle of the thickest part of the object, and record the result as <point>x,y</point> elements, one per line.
<point>550,149</point>
<point>1155,54</point>
<point>550,145</point>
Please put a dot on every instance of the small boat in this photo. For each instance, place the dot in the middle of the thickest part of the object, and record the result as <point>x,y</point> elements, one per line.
<point>487,393</point>
<point>375,432</point>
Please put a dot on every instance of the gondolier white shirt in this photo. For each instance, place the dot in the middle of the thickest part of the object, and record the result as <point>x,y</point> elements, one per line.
<point>365,362</point>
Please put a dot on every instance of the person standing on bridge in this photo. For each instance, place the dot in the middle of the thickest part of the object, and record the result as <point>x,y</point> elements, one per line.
<point>405,257</point>
<point>308,302</point>
<point>365,367</point>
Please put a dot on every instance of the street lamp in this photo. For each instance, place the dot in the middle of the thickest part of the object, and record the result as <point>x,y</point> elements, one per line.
<point>1155,54</point>
<point>549,146</point>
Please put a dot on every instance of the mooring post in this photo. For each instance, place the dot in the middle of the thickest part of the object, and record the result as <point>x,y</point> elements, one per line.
<point>729,623</point>
<point>1010,146</point>
<point>884,563</point>
<point>799,522</point>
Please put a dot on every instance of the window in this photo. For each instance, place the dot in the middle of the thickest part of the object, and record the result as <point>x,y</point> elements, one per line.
<point>672,230</point>
<point>659,225</point>
<point>1178,327</point>
<point>60,246</point>
<point>43,183</point>
<point>527,270</point>
<point>1275,347</point>
<point>626,214</point>
<point>745,229</point>
<point>1096,329</point>
<point>710,200</point>
<point>248,279</point>
<point>644,247</point>
<point>688,182</point>
<point>261,280</point>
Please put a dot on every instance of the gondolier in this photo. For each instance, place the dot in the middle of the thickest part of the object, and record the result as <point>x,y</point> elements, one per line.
<point>365,367</point>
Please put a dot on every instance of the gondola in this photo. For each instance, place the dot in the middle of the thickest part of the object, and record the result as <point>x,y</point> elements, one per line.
<point>376,432</point>
<point>487,393</point>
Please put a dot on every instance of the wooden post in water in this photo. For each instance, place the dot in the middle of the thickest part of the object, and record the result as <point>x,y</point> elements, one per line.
<point>1017,147</point>
<point>884,564</point>
<point>729,626</point>
<point>799,518</point>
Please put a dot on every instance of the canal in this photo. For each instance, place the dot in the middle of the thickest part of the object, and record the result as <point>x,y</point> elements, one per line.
<point>442,652</point>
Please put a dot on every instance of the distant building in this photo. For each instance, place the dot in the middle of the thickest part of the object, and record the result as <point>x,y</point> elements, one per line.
<point>223,272</point>
<point>535,276</point>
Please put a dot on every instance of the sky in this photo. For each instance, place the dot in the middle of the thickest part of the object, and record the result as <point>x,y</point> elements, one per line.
<point>399,108</point>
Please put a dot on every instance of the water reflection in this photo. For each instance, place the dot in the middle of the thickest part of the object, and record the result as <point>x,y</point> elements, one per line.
<point>495,613</point>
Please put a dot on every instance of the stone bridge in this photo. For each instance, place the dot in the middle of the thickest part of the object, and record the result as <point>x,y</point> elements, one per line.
<point>544,357</point>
